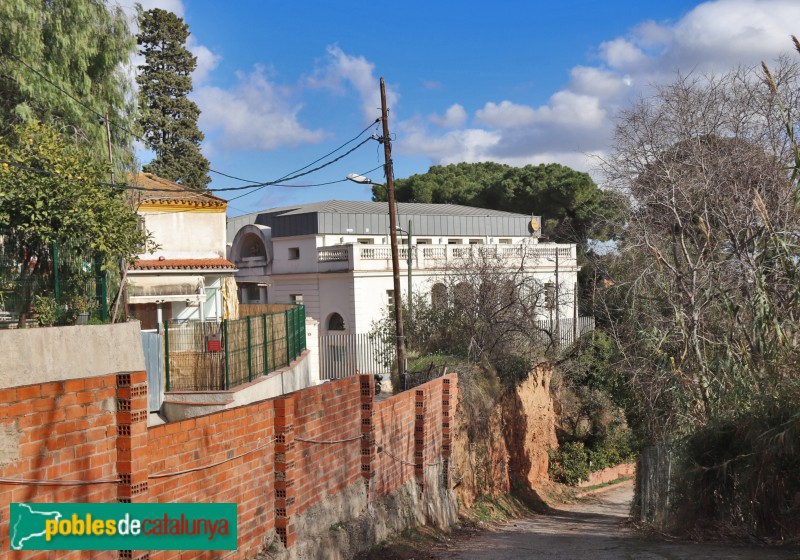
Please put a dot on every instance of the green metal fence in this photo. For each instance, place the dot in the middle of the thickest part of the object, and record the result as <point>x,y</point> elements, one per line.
<point>211,356</point>
<point>71,278</point>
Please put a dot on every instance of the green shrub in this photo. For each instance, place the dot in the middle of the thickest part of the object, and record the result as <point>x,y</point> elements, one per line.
<point>569,463</point>
<point>45,310</point>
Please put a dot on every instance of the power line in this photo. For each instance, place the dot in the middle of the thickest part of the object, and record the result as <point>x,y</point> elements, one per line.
<point>289,176</point>
<point>257,186</point>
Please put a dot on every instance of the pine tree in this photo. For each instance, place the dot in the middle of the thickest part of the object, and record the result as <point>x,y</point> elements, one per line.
<point>49,47</point>
<point>168,116</point>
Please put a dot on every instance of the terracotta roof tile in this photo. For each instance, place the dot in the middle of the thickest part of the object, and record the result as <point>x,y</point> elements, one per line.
<point>184,264</point>
<point>171,192</point>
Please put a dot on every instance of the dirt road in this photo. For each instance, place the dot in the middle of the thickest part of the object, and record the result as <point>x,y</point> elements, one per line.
<point>594,531</point>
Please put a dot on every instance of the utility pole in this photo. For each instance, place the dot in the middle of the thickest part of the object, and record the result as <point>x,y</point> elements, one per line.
<point>410,262</point>
<point>122,295</point>
<point>110,152</point>
<point>398,307</point>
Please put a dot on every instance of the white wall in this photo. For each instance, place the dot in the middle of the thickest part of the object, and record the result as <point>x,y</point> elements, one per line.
<point>186,234</point>
<point>308,254</point>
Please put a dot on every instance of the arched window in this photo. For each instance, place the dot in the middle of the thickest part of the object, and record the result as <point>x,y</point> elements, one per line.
<point>253,246</point>
<point>463,293</point>
<point>439,295</point>
<point>335,322</point>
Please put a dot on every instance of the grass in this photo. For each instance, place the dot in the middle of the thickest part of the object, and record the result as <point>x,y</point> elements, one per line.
<point>605,484</point>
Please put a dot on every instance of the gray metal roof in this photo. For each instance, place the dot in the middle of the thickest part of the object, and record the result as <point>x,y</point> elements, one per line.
<point>407,208</point>
<point>372,218</point>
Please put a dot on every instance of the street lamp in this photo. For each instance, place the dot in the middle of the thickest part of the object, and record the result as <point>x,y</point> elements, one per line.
<point>398,308</point>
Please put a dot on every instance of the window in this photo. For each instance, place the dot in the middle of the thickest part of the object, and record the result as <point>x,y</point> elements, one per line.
<point>424,241</point>
<point>294,253</point>
<point>476,241</point>
<point>550,295</point>
<point>454,242</point>
<point>366,240</point>
<point>439,295</point>
<point>296,299</point>
<point>505,241</point>
<point>335,322</point>
<point>253,293</point>
<point>390,297</point>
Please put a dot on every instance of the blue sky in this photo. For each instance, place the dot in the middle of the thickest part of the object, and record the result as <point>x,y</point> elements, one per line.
<point>282,83</point>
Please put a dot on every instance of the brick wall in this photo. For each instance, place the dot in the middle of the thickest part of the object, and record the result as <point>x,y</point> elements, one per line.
<point>394,424</point>
<point>274,458</point>
<point>64,430</point>
<point>233,451</point>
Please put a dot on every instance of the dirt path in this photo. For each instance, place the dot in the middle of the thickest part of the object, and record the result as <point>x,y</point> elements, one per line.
<point>595,531</point>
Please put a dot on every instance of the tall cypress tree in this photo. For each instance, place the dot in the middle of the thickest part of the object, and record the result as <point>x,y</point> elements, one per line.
<point>169,117</point>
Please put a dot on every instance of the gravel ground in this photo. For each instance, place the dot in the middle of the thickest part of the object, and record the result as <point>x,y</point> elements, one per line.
<point>594,529</point>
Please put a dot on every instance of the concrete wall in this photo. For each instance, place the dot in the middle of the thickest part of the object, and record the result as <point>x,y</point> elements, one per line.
<point>32,356</point>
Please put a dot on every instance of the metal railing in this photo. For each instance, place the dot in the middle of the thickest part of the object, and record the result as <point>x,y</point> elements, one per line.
<point>341,355</point>
<point>211,356</point>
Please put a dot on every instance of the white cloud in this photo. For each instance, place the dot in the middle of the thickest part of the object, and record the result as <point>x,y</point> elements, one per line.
<point>576,121</point>
<point>454,117</point>
<point>506,115</point>
<point>255,114</point>
<point>206,60</point>
<point>341,68</point>
<point>597,82</point>
<point>621,54</point>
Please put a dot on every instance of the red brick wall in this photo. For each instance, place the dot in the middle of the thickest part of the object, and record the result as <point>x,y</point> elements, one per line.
<point>274,458</point>
<point>66,430</point>
<point>234,450</point>
<point>326,413</point>
<point>393,421</point>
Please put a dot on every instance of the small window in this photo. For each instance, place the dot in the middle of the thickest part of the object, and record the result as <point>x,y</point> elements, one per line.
<point>366,240</point>
<point>390,297</point>
<point>296,299</point>
<point>253,293</point>
<point>454,242</point>
<point>335,322</point>
<point>505,241</point>
<point>424,241</point>
<point>294,253</point>
<point>476,241</point>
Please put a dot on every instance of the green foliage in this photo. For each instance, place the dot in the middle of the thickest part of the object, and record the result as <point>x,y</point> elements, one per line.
<point>45,309</point>
<point>169,117</point>
<point>68,207</point>
<point>568,463</point>
<point>742,472</point>
<point>81,46</point>
<point>571,204</point>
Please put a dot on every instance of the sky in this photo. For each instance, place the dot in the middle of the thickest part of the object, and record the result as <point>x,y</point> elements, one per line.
<point>281,84</point>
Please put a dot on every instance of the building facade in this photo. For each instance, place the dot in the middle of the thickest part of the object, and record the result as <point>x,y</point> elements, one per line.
<point>335,257</point>
<point>187,276</point>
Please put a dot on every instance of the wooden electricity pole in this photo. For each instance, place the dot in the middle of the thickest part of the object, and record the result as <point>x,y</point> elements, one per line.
<point>398,306</point>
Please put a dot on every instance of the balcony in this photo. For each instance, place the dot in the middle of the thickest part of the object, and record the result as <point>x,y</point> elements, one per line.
<point>340,258</point>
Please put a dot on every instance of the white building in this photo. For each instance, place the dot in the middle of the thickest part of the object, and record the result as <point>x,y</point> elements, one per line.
<point>186,277</point>
<point>335,257</point>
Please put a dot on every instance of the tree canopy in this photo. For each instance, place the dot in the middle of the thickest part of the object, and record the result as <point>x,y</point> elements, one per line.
<point>81,47</point>
<point>169,117</point>
<point>68,204</point>
<point>573,207</point>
